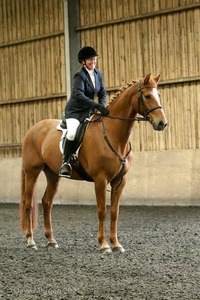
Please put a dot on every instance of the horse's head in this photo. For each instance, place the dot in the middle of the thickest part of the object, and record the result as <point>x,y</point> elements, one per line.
<point>149,105</point>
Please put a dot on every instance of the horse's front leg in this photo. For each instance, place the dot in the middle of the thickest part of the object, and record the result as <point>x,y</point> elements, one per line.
<point>100,190</point>
<point>114,213</point>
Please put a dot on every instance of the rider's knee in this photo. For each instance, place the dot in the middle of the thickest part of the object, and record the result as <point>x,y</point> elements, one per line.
<point>71,136</point>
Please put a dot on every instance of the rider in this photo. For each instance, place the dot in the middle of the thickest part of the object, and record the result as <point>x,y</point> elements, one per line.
<point>87,83</point>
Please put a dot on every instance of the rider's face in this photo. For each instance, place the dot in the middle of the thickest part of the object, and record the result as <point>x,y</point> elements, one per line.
<point>90,63</point>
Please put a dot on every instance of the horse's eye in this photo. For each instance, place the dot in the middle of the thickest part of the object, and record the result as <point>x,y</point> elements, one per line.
<point>147,96</point>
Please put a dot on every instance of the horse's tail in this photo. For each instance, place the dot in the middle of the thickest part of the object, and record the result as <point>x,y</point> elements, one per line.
<point>24,206</point>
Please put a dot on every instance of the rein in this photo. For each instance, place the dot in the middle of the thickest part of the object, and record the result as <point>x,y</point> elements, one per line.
<point>146,113</point>
<point>140,100</point>
<point>123,160</point>
<point>144,118</point>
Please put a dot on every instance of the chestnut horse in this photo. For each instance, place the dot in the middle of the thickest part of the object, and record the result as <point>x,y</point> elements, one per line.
<point>105,155</point>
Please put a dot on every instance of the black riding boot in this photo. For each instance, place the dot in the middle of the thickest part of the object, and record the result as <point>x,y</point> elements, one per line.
<point>65,170</point>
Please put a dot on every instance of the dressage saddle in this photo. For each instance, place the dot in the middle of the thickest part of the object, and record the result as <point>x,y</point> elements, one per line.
<point>75,163</point>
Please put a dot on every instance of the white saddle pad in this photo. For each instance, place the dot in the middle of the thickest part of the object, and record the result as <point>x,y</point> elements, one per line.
<point>64,132</point>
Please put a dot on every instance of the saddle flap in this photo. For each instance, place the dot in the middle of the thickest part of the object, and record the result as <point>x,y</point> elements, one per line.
<point>79,134</point>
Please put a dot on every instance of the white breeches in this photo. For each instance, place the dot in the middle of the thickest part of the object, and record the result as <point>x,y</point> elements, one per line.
<point>72,125</point>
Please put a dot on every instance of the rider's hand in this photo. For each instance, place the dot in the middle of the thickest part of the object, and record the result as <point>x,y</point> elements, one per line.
<point>103,110</point>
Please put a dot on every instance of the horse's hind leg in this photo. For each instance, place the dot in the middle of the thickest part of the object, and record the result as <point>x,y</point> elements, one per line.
<point>28,205</point>
<point>47,203</point>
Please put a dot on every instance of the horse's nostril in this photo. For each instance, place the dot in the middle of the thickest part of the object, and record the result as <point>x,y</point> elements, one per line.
<point>162,125</point>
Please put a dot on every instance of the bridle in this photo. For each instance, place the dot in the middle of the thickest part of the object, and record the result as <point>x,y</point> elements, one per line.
<point>140,101</point>
<point>144,118</point>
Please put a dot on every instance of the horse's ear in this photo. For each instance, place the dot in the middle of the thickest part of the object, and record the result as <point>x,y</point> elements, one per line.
<point>146,80</point>
<point>157,79</point>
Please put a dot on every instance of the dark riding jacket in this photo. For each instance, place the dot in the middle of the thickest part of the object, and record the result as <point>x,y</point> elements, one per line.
<point>81,103</point>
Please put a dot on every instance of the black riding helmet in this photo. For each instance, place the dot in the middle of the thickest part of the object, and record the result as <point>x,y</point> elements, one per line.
<point>86,52</point>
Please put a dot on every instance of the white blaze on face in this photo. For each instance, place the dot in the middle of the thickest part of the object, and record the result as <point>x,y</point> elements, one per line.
<point>156,95</point>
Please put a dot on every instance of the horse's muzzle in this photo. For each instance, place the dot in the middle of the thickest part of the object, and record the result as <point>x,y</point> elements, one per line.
<point>160,126</point>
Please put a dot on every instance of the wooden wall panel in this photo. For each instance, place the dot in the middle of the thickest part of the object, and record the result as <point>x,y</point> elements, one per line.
<point>135,38</point>
<point>33,69</point>
<point>22,19</point>
<point>32,61</point>
<point>16,119</point>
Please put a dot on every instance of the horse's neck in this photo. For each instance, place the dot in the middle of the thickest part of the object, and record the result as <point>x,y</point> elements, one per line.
<point>122,107</point>
<point>120,130</point>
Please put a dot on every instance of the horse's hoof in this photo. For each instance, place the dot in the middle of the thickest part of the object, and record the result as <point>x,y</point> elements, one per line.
<point>31,243</point>
<point>118,249</point>
<point>106,250</point>
<point>53,245</point>
<point>34,247</point>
